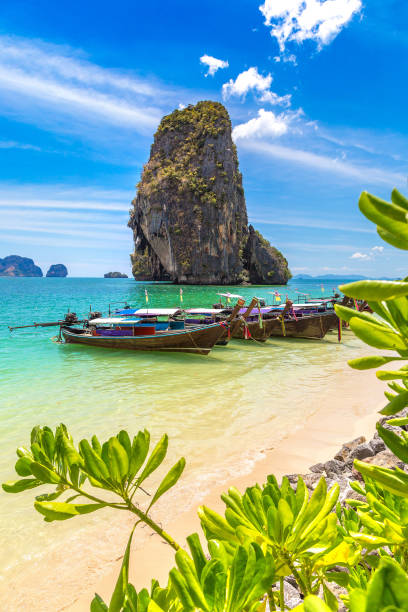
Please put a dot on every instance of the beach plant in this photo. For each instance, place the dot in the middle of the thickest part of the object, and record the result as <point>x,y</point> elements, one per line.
<point>299,529</point>
<point>119,466</point>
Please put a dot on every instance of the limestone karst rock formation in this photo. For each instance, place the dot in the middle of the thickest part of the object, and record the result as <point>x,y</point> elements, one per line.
<point>14,265</point>
<point>189,217</point>
<point>57,270</point>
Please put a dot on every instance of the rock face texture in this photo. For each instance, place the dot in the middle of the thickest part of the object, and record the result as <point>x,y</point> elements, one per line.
<point>189,217</point>
<point>115,275</point>
<point>265,264</point>
<point>14,265</point>
<point>57,270</point>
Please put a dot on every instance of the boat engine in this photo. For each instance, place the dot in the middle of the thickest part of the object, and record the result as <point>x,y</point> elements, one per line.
<point>95,315</point>
<point>261,302</point>
<point>70,318</point>
<point>219,306</point>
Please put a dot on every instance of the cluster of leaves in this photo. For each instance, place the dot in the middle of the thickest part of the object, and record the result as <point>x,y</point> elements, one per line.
<point>273,531</point>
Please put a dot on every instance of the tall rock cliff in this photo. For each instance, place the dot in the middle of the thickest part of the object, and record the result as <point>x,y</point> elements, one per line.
<point>189,217</point>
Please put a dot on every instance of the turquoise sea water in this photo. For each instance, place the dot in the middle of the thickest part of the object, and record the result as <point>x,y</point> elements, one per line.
<point>214,408</point>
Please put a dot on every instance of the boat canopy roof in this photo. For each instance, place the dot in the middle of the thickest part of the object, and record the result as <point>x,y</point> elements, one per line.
<point>113,321</point>
<point>157,312</point>
<point>230,295</point>
<point>205,311</point>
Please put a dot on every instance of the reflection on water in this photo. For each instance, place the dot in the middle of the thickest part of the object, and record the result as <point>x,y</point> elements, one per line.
<point>219,410</point>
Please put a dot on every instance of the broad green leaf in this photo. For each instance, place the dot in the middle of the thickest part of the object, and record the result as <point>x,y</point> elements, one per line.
<point>389,479</point>
<point>60,511</point>
<point>398,199</point>
<point>98,605</point>
<point>366,363</point>
<point>377,291</point>
<point>394,442</point>
<point>182,591</point>
<point>124,439</point>
<point>70,454</point>
<point>349,313</point>
<point>388,216</point>
<point>23,466</point>
<point>216,525</point>
<point>155,459</point>
<point>93,463</point>
<point>169,480</point>
<point>395,240</point>
<point>119,592</point>
<point>197,552</point>
<point>16,486</point>
<point>187,570</point>
<point>43,473</point>
<point>399,402</point>
<point>401,421</point>
<point>140,448</point>
<point>389,584</point>
<point>312,603</point>
<point>379,337</point>
<point>391,374</point>
<point>118,460</point>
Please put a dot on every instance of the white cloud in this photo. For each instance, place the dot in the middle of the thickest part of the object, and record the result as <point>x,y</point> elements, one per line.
<point>251,80</point>
<point>213,64</point>
<point>52,86</point>
<point>377,250</point>
<point>266,124</point>
<point>12,144</point>
<point>323,163</point>
<point>359,256</point>
<point>300,20</point>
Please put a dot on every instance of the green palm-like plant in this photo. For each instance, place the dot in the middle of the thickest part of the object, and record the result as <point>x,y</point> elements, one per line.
<point>119,466</point>
<point>298,529</point>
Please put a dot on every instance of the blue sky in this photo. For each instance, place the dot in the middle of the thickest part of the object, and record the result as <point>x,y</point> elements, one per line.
<point>316,90</point>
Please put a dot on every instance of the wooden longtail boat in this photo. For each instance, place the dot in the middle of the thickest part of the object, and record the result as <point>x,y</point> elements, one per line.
<point>134,336</point>
<point>311,326</point>
<point>195,340</point>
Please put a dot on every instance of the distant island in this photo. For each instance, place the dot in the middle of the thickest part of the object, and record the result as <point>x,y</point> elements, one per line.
<point>14,265</point>
<point>115,275</point>
<point>57,270</point>
<point>329,277</point>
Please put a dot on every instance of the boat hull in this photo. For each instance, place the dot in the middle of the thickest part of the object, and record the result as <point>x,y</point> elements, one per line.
<point>199,340</point>
<point>314,326</point>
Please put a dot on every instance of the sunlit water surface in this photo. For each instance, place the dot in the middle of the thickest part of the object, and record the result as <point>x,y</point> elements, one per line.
<point>219,410</point>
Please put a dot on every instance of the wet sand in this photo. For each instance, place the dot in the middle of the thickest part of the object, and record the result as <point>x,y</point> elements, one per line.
<point>333,423</point>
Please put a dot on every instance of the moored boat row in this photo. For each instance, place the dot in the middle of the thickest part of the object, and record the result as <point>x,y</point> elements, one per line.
<point>197,330</point>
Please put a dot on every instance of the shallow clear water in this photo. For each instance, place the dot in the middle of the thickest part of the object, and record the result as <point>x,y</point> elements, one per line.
<point>214,408</point>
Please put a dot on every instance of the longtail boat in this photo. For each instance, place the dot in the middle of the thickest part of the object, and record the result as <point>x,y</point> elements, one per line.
<point>142,335</point>
<point>142,332</point>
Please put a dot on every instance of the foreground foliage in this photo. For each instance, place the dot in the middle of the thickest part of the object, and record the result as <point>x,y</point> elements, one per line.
<point>272,531</point>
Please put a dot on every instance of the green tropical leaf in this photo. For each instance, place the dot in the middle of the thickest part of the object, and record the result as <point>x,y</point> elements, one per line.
<point>155,459</point>
<point>140,448</point>
<point>375,361</point>
<point>394,239</point>
<point>118,595</point>
<point>389,479</point>
<point>98,605</point>
<point>373,290</point>
<point>60,511</point>
<point>16,486</point>
<point>395,443</point>
<point>43,473</point>
<point>23,466</point>
<point>93,463</point>
<point>398,402</point>
<point>379,337</point>
<point>169,480</point>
